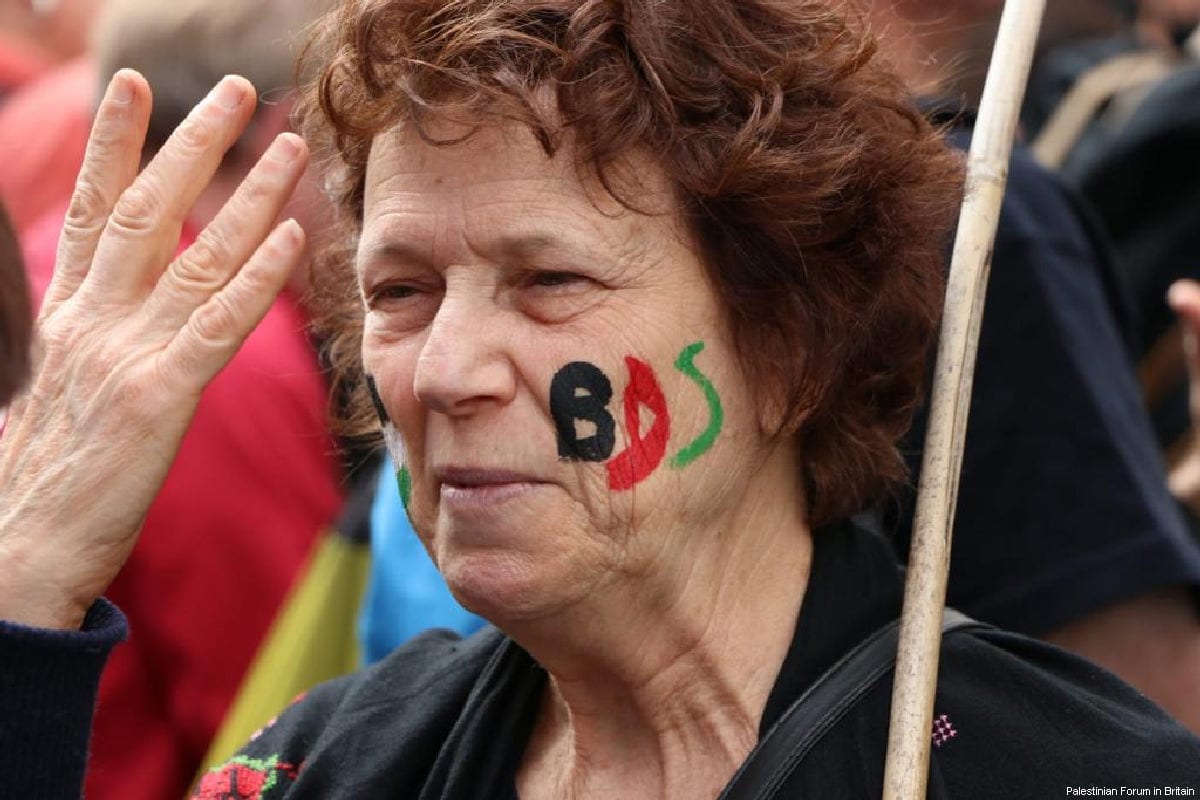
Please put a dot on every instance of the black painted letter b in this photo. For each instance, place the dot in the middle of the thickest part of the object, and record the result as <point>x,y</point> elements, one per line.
<point>580,391</point>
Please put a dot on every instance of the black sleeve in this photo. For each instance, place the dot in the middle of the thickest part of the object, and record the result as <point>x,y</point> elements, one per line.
<point>1063,507</point>
<point>48,682</point>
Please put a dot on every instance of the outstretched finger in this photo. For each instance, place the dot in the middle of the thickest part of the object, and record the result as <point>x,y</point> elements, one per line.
<point>216,329</point>
<point>233,235</point>
<point>143,231</point>
<point>110,164</point>
<point>1184,298</point>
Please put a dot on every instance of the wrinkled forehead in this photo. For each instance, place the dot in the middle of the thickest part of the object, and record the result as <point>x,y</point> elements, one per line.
<point>497,181</point>
<point>454,158</point>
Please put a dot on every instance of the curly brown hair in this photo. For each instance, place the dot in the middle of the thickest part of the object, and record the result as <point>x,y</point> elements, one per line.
<point>821,198</point>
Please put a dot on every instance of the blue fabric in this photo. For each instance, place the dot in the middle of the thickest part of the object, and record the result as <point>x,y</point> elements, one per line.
<point>405,592</point>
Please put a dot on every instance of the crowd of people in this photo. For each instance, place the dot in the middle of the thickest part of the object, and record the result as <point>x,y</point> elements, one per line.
<point>736,215</point>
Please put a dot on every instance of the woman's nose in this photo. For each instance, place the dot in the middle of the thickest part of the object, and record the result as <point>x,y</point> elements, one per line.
<point>463,364</point>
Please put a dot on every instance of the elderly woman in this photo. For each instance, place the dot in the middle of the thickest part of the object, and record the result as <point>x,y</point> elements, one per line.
<point>641,293</point>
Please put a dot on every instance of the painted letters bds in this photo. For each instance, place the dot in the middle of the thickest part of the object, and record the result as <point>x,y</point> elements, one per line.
<point>581,392</point>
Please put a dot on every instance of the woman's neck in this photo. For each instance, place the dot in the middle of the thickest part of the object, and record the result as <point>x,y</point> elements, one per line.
<point>658,690</point>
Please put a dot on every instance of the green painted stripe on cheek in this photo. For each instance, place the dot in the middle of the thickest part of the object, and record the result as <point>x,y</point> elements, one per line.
<point>404,481</point>
<point>716,413</point>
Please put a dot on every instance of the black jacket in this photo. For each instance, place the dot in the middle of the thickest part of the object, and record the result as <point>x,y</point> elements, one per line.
<point>1014,718</point>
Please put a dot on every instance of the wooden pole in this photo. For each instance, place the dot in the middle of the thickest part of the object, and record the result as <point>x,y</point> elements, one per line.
<point>906,770</point>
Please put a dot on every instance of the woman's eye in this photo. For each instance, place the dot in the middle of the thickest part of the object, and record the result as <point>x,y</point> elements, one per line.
<point>393,291</point>
<point>552,278</point>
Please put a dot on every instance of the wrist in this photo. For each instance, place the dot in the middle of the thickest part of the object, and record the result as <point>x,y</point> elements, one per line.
<point>30,595</point>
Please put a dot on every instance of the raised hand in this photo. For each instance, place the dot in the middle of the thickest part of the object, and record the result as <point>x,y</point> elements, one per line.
<point>128,338</point>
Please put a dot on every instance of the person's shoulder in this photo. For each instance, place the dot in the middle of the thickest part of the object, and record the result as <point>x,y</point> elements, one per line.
<point>1038,207</point>
<point>388,719</point>
<point>427,675</point>
<point>1034,719</point>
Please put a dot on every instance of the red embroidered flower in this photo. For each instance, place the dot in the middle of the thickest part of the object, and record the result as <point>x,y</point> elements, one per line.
<point>244,778</point>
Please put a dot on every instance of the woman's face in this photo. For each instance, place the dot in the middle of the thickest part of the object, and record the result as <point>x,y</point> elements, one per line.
<point>558,368</point>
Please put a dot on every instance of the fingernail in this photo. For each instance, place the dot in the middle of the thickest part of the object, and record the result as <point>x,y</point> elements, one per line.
<point>286,147</point>
<point>120,89</point>
<point>291,232</point>
<point>227,94</point>
<point>1175,293</point>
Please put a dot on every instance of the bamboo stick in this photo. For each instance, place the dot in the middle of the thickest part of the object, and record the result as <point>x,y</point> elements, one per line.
<point>906,770</point>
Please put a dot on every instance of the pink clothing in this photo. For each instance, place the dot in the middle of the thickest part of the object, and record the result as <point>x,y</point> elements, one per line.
<point>255,482</point>
<point>44,128</point>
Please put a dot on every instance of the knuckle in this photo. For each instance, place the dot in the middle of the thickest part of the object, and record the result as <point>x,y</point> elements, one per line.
<point>87,207</point>
<point>213,321</point>
<point>257,197</point>
<point>137,210</point>
<point>195,135</point>
<point>201,265</point>
<point>260,188</point>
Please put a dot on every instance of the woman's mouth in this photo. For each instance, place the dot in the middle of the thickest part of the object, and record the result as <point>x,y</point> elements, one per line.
<point>471,488</point>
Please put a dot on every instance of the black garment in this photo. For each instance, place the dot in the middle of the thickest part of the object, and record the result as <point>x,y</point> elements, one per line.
<point>1140,169</point>
<point>446,718</point>
<point>1145,183</point>
<point>1055,73</point>
<point>48,685</point>
<point>1063,507</point>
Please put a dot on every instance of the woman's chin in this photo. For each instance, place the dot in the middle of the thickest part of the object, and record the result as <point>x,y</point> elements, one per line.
<point>503,586</point>
<point>507,568</point>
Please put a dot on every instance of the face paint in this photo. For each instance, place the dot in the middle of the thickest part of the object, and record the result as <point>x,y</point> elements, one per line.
<point>580,391</point>
<point>393,443</point>
<point>716,414</point>
<point>644,453</point>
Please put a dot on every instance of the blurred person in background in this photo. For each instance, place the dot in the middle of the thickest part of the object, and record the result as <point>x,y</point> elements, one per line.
<point>1136,164</point>
<point>45,117</point>
<point>1114,106</point>
<point>1065,528</point>
<point>1094,68</point>
<point>15,317</point>
<point>1097,52</point>
<point>1167,23</point>
<point>257,479</point>
<point>57,29</point>
<point>21,58</point>
<point>1141,174</point>
<point>35,35</point>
